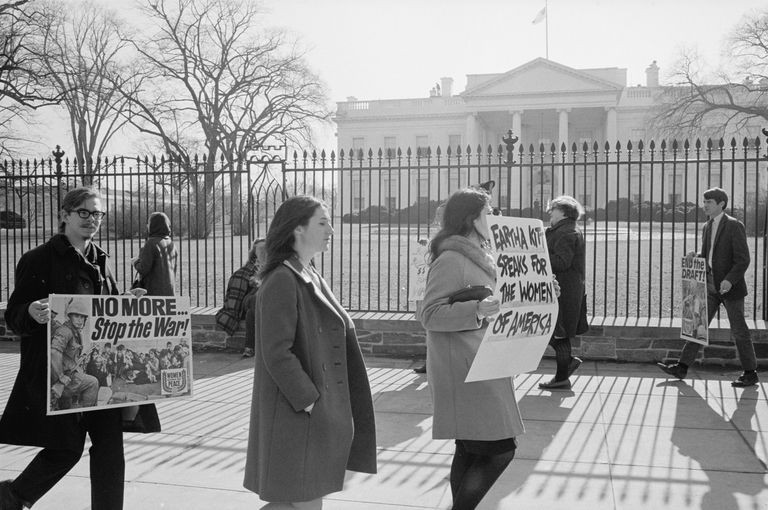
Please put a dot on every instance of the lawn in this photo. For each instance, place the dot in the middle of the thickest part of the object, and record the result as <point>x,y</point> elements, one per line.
<point>632,270</point>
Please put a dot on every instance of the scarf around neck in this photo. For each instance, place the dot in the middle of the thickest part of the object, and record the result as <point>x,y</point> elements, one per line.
<point>473,252</point>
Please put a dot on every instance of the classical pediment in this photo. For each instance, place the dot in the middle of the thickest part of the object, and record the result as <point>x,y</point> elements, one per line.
<point>541,76</point>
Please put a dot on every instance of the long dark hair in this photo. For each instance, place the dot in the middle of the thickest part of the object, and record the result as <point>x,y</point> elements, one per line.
<point>292,213</point>
<point>461,211</point>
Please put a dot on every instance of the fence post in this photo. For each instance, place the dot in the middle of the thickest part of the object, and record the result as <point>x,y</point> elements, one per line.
<point>57,155</point>
<point>509,141</point>
<point>765,246</point>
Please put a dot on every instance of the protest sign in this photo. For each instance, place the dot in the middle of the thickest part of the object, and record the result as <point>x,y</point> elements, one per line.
<point>518,335</point>
<point>694,311</point>
<point>117,351</point>
<point>418,269</point>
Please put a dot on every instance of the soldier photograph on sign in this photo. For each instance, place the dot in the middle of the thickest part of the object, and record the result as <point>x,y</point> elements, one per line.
<point>117,351</point>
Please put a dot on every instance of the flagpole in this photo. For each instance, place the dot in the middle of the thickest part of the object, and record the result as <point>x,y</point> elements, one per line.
<point>546,28</point>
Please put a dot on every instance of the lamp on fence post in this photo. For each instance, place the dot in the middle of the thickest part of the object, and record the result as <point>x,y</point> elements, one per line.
<point>57,155</point>
<point>510,140</point>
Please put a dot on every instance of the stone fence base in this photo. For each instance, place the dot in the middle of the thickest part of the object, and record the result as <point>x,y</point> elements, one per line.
<point>609,338</point>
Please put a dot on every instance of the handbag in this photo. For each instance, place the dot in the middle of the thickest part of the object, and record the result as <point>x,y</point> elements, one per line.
<point>470,293</point>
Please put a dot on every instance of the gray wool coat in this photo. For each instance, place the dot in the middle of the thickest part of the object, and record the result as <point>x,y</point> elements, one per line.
<point>306,352</point>
<point>482,410</point>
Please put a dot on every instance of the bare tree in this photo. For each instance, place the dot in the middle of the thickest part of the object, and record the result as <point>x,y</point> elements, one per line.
<point>210,76</point>
<point>725,101</point>
<point>84,50</point>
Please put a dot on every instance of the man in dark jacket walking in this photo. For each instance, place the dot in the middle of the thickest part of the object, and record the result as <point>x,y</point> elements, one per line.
<point>724,246</point>
<point>69,263</point>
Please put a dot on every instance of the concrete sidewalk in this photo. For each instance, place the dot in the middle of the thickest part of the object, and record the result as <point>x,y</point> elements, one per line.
<point>624,438</point>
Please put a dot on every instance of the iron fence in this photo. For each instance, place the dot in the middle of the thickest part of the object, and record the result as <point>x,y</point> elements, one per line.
<point>213,215</point>
<point>642,202</point>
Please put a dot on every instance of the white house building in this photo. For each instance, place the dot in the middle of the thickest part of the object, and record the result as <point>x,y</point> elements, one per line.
<point>541,101</point>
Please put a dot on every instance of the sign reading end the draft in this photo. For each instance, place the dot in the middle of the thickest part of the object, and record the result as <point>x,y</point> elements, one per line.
<point>694,325</point>
<point>518,335</point>
<point>117,351</point>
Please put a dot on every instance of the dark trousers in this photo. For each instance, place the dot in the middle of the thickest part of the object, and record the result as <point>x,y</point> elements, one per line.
<point>739,330</point>
<point>250,327</point>
<point>107,463</point>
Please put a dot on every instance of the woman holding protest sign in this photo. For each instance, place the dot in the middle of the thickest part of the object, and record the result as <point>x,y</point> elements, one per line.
<point>69,263</point>
<point>483,416</point>
<point>312,413</point>
<point>567,248</point>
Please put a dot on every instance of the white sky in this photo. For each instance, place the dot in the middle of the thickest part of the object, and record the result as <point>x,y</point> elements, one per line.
<point>380,49</point>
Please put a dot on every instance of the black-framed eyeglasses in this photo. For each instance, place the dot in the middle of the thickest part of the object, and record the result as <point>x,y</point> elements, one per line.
<point>85,213</point>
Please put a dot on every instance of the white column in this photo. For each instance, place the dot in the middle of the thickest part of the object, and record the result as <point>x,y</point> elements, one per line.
<point>563,128</point>
<point>473,132</point>
<point>611,131</point>
<point>517,124</point>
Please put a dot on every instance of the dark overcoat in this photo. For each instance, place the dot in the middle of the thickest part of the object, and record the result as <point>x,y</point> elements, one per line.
<point>567,248</point>
<point>52,268</point>
<point>730,258</point>
<point>306,352</point>
<point>157,259</point>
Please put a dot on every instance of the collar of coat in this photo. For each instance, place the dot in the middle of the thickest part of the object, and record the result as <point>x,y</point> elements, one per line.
<point>93,253</point>
<point>294,265</point>
<point>562,224</point>
<point>472,251</point>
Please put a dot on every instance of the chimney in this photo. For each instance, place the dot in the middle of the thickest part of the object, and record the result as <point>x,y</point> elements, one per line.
<point>652,75</point>
<point>351,99</point>
<point>446,86</point>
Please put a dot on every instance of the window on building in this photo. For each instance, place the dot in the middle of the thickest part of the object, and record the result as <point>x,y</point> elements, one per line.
<point>358,146</point>
<point>422,186</point>
<point>637,134</point>
<point>454,142</point>
<point>422,146</point>
<point>358,192</point>
<point>389,191</point>
<point>453,181</point>
<point>390,147</point>
<point>584,189</point>
<point>635,189</point>
<point>674,188</point>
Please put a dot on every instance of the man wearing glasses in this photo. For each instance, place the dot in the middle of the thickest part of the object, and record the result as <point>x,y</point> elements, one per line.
<point>69,263</point>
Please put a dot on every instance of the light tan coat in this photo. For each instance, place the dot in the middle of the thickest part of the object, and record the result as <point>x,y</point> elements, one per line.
<point>485,410</point>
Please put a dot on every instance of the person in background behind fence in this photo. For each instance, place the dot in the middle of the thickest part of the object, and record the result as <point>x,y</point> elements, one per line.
<point>69,263</point>
<point>567,255</point>
<point>239,297</point>
<point>312,412</point>
<point>156,262</point>
<point>724,246</point>
<point>482,417</point>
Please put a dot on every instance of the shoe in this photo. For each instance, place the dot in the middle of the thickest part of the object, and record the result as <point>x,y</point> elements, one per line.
<point>746,379</point>
<point>552,384</point>
<point>673,369</point>
<point>248,352</point>
<point>573,366</point>
<point>8,500</point>
<point>421,370</point>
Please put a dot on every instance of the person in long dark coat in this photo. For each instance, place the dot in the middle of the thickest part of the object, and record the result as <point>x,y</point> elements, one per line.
<point>69,263</point>
<point>312,412</point>
<point>156,262</point>
<point>567,247</point>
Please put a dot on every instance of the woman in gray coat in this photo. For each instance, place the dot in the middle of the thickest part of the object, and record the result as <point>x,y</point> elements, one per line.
<point>312,412</point>
<point>482,416</point>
